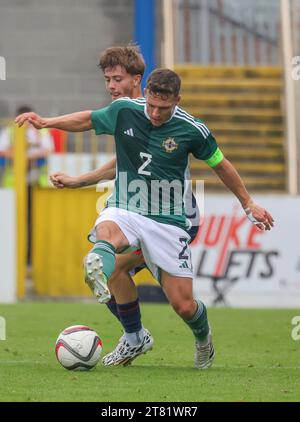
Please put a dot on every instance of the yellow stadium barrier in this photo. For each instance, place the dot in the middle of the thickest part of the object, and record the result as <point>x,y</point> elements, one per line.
<point>20,171</point>
<point>61,221</point>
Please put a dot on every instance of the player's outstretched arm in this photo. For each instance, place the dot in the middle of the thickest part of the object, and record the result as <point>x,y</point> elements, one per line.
<point>105,172</point>
<point>256,214</point>
<point>74,122</point>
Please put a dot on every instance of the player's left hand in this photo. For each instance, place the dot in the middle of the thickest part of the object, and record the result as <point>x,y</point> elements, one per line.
<point>62,180</point>
<point>259,216</point>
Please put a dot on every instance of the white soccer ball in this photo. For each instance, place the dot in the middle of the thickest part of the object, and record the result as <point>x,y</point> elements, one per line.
<point>78,348</point>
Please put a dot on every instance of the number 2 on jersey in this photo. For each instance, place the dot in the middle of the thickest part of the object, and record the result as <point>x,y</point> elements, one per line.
<point>185,244</point>
<point>146,162</point>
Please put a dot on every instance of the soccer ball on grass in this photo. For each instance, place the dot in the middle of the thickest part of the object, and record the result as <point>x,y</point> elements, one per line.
<point>78,348</point>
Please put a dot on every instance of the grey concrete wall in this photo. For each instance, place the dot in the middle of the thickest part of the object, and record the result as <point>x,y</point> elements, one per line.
<point>52,48</point>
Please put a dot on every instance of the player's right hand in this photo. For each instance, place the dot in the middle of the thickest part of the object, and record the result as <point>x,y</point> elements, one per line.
<point>34,119</point>
<point>62,180</point>
<point>259,216</point>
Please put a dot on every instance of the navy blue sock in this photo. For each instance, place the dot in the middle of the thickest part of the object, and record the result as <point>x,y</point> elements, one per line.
<point>130,316</point>
<point>112,306</point>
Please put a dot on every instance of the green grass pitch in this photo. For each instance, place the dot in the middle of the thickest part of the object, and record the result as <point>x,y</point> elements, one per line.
<point>256,358</point>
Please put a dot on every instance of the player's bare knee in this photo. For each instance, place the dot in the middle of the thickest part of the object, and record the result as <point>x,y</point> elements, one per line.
<point>110,232</point>
<point>185,309</point>
<point>104,232</point>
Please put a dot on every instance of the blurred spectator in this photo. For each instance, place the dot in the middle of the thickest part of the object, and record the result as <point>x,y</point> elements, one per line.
<point>6,178</point>
<point>39,145</point>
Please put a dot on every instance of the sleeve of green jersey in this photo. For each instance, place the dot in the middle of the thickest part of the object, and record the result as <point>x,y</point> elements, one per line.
<point>104,120</point>
<point>207,149</point>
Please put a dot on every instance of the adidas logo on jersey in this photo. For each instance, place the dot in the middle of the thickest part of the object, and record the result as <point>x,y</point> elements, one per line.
<point>184,265</point>
<point>129,132</point>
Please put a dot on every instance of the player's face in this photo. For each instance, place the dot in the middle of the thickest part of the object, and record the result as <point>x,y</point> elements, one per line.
<point>160,107</point>
<point>119,83</point>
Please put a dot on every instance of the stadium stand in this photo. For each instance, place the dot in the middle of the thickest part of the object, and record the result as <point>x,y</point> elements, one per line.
<point>242,107</point>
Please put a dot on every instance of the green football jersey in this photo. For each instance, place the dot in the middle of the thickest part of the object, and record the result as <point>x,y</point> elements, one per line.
<point>152,162</point>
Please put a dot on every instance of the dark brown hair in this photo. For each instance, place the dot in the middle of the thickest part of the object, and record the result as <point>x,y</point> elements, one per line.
<point>164,81</point>
<point>128,56</point>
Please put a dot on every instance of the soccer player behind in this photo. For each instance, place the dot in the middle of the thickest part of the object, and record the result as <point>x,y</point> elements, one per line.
<point>123,68</point>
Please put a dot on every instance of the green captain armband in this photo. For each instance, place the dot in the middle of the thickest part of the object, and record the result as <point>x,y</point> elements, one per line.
<point>215,159</point>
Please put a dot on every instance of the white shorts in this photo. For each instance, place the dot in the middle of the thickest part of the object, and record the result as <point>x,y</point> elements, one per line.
<point>164,246</point>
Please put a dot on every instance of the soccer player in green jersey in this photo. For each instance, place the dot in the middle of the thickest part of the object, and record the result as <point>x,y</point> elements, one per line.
<point>123,68</point>
<point>154,138</point>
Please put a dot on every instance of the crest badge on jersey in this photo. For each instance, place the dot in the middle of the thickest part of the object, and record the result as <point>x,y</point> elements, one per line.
<point>170,145</point>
